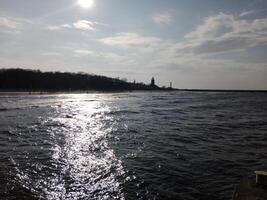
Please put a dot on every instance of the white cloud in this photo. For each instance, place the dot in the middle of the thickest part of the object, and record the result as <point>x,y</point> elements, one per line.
<point>11,32</point>
<point>218,34</point>
<point>211,26</point>
<point>225,32</point>
<point>80,24</point>
<point>131,40</point>
<point>66,26</point>
<point>51,54</point>
<point>13,26</point>
<point>84,52</point>
<point>245,13</point>
<point>53,28</point>
<point>14,23</point>
<point>84,25</point>
<point>251,12</point>
<point>110,57</point>
<point>163,18</point>
<point>9,22</point>
<point>59,27</point>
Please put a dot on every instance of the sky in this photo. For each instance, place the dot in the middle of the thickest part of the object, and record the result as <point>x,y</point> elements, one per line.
<point>203,44</point>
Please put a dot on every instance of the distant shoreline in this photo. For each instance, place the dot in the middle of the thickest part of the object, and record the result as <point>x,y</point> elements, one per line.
<point>28,92</point>
<point>35,82</point>
<point>219,90</point>
<point>16,93</point>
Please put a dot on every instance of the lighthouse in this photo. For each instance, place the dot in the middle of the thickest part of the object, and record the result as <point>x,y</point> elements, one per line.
<point>152,84</point>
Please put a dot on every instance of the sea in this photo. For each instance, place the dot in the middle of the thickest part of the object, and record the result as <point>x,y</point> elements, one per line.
<point>178,145</point>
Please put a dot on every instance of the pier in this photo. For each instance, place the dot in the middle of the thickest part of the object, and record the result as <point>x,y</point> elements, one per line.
<point>252,190</point>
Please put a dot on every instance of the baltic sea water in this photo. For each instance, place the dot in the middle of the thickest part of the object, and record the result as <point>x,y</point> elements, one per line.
<point>135,145</point>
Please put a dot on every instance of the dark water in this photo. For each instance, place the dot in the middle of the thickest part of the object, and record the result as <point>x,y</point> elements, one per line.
<point>180,145</point>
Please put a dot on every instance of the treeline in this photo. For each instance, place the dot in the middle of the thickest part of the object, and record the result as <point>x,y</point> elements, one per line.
<point>35,80</point>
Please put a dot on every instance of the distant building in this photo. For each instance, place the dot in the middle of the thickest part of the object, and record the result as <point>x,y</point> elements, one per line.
<point>152,82</point>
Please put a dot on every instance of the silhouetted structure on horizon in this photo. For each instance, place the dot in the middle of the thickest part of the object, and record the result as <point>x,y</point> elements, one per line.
<point>152,84</point>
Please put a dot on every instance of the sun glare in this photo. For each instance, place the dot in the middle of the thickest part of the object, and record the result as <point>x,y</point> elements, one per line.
<point>86,3</point>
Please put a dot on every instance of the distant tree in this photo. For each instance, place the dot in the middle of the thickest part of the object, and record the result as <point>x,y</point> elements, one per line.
<point>24,79</point>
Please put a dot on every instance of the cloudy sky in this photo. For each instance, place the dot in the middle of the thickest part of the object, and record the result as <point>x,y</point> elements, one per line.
<point>193,43</point>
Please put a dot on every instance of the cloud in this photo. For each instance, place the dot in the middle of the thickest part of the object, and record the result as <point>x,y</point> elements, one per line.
<point>131,40</point>
<point>50,54</point>
<point>13,26</point>
<point>223,24</point>
<point>251,12</point>
<point>53,28</point>
<point>163,18</point>
<point>80,24</point>
<point>203,48</point>
<point>211,26</point>
<point>60,27</point>
<point>225,32</point>
<point>112,57</point>
<point>11,32</point>
<point>66,26</point>
<point>84,25</point>
<point>9,22</point>
<point>84,52</point>
<point>227,44</point>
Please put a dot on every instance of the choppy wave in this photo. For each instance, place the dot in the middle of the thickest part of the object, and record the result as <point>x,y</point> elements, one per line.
<point>180,145</point>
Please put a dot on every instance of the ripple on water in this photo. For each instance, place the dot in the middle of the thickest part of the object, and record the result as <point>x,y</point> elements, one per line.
<point>130,145</point>
<point>68,157</point>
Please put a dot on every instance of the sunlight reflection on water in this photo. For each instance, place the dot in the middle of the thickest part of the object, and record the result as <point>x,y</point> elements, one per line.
<point>88,165</point>
<point>81,165</point>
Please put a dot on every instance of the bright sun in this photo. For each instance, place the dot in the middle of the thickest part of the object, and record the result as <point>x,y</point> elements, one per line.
<point>86,3</point>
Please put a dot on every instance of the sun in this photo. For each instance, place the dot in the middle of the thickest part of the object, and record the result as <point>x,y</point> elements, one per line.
<point>86,3</point>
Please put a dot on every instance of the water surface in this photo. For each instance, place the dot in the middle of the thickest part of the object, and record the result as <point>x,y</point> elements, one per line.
<point>167,145</point>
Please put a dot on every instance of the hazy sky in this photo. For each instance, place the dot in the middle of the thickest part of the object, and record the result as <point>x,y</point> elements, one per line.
<point>216,44</point>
